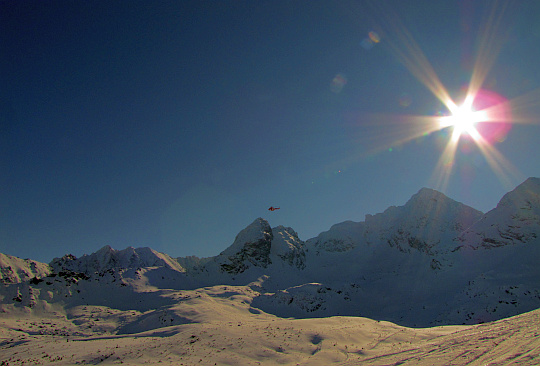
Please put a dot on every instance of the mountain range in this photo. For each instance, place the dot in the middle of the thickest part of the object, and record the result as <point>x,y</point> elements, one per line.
<point>432,261</point>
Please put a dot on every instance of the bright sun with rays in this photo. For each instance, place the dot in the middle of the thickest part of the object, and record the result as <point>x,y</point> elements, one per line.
<point>463,120</point>
<point>483,116</point>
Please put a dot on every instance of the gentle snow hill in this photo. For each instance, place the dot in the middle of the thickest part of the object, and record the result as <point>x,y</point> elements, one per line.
<point>217,326</point>
<point>16,270</point>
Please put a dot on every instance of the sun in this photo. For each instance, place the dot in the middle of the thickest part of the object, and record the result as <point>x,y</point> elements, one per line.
<point>463,119</point>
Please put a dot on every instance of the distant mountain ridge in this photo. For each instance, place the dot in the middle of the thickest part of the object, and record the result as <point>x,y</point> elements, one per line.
<point>109,258</point>
<point>428,221</point>
<point>431,261</point>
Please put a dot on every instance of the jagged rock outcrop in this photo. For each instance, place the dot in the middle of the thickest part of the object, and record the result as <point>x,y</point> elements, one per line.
<point>250,248</point>
<point>259,246</point>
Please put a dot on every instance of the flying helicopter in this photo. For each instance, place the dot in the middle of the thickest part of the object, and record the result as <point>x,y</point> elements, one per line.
<point>273,208</point>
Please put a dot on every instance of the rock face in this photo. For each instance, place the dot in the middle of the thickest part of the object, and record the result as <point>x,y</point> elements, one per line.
<point>258,245</point>
<point>250,248</point>
<point>288,247</point>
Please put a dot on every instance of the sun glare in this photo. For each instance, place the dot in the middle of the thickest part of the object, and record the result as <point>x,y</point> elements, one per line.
<point>463,120</point>
<point>484,115</point>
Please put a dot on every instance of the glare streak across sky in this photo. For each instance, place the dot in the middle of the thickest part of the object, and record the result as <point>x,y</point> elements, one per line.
<point>491,39</point>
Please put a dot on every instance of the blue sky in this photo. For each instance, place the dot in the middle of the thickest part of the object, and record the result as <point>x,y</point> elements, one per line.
<point>174,125</point>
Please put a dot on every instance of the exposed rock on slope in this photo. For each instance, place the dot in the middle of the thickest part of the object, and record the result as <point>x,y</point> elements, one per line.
<point>288,247</point>
<point>250,248</point>
<point>258,245</point>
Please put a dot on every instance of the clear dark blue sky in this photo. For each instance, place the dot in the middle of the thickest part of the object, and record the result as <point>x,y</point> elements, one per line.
<point>174,124</point>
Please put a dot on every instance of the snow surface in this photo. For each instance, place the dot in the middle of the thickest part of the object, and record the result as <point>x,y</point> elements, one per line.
<point>217,326</point>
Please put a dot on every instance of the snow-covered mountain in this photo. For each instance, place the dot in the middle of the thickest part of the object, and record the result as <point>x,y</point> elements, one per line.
<point>108,258</point>
<point>431,261</point>
<point>429,222</point>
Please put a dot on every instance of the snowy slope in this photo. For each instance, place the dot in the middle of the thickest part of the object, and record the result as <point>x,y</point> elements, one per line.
<point>217,326</point>
<point>428,222</point>
<point>515,219</point>
<point>16,270</point>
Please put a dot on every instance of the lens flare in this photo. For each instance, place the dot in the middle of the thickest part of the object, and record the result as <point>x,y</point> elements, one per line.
<point>338,82</point>
<point>371,40</point>
<point>374,37</point>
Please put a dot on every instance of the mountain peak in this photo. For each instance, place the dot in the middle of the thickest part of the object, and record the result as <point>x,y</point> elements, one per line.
<point>427,195</point>
<point>526,194</point>
<point>514,220</point>
<point>464,266</point>
<point>532,180</point>
<point>252,245</point>
<point>258,229</point>
<point>429,221</point>
<point>106,249</point>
